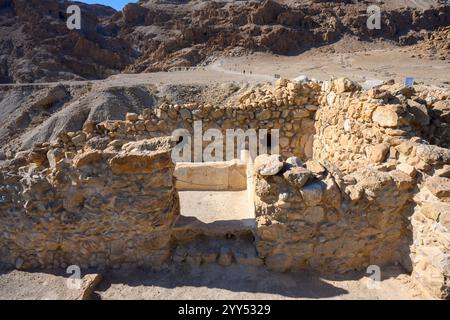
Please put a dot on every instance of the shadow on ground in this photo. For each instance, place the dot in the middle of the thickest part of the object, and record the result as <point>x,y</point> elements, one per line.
<point>182,281</point>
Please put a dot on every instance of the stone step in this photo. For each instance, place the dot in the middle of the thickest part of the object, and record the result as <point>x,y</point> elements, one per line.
<point>189,228</point>
<point>214,250</point>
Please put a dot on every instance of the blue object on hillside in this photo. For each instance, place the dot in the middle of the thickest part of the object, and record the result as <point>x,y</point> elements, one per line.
<point>409,81</point>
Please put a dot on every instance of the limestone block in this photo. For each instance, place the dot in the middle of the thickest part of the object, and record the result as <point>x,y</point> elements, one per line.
<point>264,115</point>
<point>440,187</point>
<point>406,168</point>
<point>332,194</point>
<point>403,181</point>
<point>436,211</point>
<point>223,175</point>
<point>331,97</point>
<point>436,257</point>
<point>341,85</point>
<point>431,280</point>
<point>284,142</point>
<point>354,192</point>
<point>315,167</point>
<point>385,116</point>
<point>87,158</point>
<point>300,113</point>
<point>140,162</point>
<point>443,172</point>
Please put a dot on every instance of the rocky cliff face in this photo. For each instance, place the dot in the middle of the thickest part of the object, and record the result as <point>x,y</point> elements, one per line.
<point>36,44</point>
<point>170,34</point>
<point>157,35</point>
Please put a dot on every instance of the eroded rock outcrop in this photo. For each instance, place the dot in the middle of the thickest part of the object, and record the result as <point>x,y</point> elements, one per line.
<point>158,35</point>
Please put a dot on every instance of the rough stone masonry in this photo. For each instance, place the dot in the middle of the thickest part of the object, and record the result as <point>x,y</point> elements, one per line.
<point>363,178</point>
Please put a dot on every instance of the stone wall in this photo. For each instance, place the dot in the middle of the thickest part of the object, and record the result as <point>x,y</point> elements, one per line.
<point>96,208</point>
<point>363,178</point>
<point>312,217</point>
<point>396,130</point>
<point>289,107</point>
<point>430,249</point>
<point>356,128</point>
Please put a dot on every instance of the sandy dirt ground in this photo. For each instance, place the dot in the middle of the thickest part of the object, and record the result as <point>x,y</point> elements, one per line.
<point>356,60</point>
<point>359,62</point>
<point>212,282</point>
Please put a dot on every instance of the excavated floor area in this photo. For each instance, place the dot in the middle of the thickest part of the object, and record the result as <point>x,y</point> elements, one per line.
<point>212,206</point>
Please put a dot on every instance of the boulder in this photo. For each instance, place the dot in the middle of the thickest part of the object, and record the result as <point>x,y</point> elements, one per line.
<point>294,162</point>
<point>378,153</point>
<point>268,165</point>
<point>419,112</point>
<point>315,167</point>
<point>297,176</point>
<point>88,285</point>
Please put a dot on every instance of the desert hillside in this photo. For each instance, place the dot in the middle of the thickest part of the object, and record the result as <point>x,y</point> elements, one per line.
<point>149,36</point>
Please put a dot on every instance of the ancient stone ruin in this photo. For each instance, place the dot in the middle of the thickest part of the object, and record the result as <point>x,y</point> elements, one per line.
<point>362,178</point>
